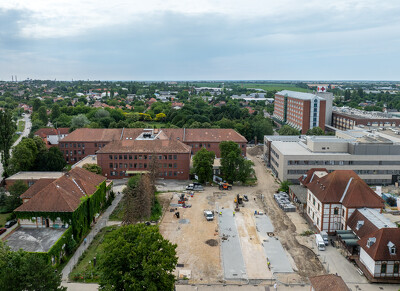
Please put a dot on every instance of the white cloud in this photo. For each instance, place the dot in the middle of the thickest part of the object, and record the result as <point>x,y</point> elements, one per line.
<point>61,18</point>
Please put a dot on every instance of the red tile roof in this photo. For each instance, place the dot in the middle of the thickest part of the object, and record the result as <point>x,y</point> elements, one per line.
<point>367,228</point>
<point>305,179</point>
<point>345,187</point>
<point>328,282</point>
<point>63,194</point>
<point>36,187</point>
<point>379,251</point>
<point>146,146</point>
<point>212,135</point>
<point>185,135</point>
<point>44,132</point>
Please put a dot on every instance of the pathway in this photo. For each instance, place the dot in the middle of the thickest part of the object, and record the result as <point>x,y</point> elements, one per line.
<point>102,222</point>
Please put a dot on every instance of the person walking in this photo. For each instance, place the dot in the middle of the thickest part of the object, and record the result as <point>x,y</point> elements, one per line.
<point>275,286</point>
<point>233,213</point>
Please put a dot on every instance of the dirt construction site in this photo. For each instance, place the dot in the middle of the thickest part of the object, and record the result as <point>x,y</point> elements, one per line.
<point>259,242</point>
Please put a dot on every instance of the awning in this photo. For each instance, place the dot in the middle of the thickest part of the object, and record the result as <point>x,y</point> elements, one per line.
<point>350,242</point>
<point>137,172</point>
<point>347,236</point>
<point>343,231</point>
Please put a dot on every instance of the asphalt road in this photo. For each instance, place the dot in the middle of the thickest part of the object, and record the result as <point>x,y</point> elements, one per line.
<point>28,125</point>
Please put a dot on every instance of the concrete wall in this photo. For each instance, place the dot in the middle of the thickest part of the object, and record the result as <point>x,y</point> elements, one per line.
<point>367,261</point>
<point>326,146</point>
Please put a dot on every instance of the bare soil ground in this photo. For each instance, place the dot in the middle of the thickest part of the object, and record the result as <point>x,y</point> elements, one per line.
<point>306,261</point>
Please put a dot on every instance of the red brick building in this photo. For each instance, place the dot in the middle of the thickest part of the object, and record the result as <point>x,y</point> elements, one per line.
<point>302,111</point>
<point>345,121</point>
<point>51,136</point>
<point>123,151</point>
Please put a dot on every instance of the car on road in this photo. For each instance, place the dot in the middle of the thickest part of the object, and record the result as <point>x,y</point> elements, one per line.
<point>209,215</point>
<point>3,230</point>
<point>10,223</point>
<point>195,187</point>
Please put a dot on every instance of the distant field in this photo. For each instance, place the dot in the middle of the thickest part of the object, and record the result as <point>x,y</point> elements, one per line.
<point>264,86</point>
<point>277,87</point>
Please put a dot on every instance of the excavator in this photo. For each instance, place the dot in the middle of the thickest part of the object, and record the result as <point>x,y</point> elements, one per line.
<point>225,186</point>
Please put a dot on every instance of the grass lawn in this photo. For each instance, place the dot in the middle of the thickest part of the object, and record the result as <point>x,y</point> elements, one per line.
<point>118,212</point>
<point>3,219</point>
<point>84,271</point>
<point>20,127</point>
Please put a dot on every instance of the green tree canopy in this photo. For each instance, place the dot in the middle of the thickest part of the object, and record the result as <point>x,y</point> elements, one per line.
<point>7,130</point>
<point>315,131</point>
<point>230,159</point>
<point>55,112</point>
<point>284,186</point>
<point>16,190</point>
<point>94,168</point>
<point>137,257</point>
<point>26,271</point>
<point>203,162</point>
<point>79,121</point>
<point>288,130</point>
<point>42,115</point>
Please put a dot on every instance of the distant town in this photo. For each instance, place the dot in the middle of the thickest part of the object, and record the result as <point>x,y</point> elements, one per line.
<point>200,185</point>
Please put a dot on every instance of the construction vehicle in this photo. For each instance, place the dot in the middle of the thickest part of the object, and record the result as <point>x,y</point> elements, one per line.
<point>225,186</point>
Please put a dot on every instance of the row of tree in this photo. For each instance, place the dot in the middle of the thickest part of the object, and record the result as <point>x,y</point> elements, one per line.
<point>234,167</point>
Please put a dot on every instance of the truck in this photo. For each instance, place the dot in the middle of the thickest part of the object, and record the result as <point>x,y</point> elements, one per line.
<point>324,235</point>
<point>320,242</point>
<point>225,186</point>
<point>209,215</point>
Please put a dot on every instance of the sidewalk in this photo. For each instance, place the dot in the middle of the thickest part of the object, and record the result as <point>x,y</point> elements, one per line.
<point>102,222</point>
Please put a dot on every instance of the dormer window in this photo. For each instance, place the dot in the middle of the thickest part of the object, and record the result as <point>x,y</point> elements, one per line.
<point>371,241</point>
<point>359,224</point>
<point>392,248</point>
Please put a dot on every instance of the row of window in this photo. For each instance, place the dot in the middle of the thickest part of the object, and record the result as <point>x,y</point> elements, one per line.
<point>342,163</point>
<point>73,145</point>
<point>139,165</point>
<point>79,152</point>
<point>160,174</point>
<point>140,157</point>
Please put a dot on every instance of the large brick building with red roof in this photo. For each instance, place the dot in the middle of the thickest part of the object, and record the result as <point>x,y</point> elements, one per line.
<point>124,151</point>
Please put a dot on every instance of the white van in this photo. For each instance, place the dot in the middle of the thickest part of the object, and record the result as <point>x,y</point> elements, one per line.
<point>320,242</point>
<point>324,235</point>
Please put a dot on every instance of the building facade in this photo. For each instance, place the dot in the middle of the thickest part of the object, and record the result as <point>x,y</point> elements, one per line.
<point>332,198</point>
<point>350,119</point>
<point>302,111</point>
<point>374,158</point>
<point>88,141</point>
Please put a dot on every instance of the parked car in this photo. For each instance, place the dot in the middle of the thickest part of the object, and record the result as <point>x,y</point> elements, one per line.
<point>209,215</point>
<point>3,230</point>
<point>10,223</point>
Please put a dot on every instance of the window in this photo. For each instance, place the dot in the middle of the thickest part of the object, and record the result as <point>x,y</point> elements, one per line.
<point>130,165</point>
<point>135,166</point>
<point>336,211</point>
<point>130,157</point>
<point>120,157</point>
<point>383,268</point>
<point>318,206</point>
<point>95,145</point>
<point>140,157</point>
<point>125,157</point>
<point>396,268</point>
<point>145,166</point>
<point>313,201</point>
<point>62,145</point>
<point>170,157</point>
<point>111,165</point>
<point>120,165</point>
<point>135,157</point>
<point>126,166</point>
<point>175,165</point>
<point>115,157</point>
<point>175,157</point>
<point>343,212</point>
<point>74,145</point>
<point>170,166</point>
<point>160,157</point>
<point>165,165</point>
<point>145,157</point>
<point>74,152</point>
<point>115,165</point>
<point>110,157</point>
<point>165,157</point>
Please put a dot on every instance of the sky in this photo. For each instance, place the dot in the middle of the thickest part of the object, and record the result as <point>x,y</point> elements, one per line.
<point>200,40</point>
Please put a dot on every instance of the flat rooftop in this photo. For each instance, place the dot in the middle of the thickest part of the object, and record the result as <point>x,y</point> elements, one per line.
<point>35,175</point>
<point>296,148</point>
<point>91,159</point>
<point>376,218</point>
<point>34,239</point>
<point>357,113</point>
<point>298,95</point>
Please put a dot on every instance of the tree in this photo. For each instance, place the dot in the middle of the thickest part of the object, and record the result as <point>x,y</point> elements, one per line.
<point>79,121</point>
<point>262,127</point>
<point>16,190</point>
<point>7,130</point>
<point>284,186</point>
<point>55,112</point>
<point>23,156</point>
<point>203,162</point>
<point>315,131</point>
<point>94,168</point>
<point>245,170</point>
<point>37,103</point>
<point>54,160</point>
<point>287,130</point>
<point>230,158</point>
<point>42,115</point>
<point>137,257</point>
<point>27,271</point>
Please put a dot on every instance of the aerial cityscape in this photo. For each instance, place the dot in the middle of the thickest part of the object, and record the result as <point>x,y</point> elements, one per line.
<point>211,145</point>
